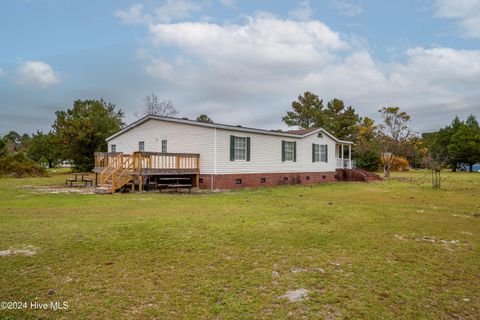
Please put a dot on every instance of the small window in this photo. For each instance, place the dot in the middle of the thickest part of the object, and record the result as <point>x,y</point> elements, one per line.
<point>263,180</point>
<point>323,153</point>
<point>240,148</point>
<point>285,179</point>
<point>289,150</point>
<point>113,148</point>
<point>164,146</point>
<point>307,178</point>
<point>141,146</point>
<point>316,153</point>
<point>238,181</point>
<point>324,177</point>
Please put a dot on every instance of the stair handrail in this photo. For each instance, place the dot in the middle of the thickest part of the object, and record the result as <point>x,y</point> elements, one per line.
<point>123,170</point>
<point>108,169</point>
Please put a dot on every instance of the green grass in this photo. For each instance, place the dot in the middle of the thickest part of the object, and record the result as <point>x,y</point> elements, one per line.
<point>211,256</point>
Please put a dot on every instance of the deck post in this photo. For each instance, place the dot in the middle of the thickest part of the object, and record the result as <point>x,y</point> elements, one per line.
<point>349,156</point>
<point>140,183</point>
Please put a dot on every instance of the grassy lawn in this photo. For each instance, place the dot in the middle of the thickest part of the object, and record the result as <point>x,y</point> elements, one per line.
<point>370,251</point>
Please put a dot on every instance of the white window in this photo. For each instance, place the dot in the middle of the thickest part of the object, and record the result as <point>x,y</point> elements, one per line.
<point>240,148</point>
<point>316,153</point>
<point>164,146</point>
<point>323,153</point>
<point>141,146</point>
<point>289,150</point>
<point>113,148</point>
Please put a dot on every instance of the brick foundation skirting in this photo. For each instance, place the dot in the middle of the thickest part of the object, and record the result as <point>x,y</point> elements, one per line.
<point>252,180</point>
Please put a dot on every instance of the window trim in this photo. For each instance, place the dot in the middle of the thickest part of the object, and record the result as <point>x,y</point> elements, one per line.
<point>323,153</point>
<point>243,148</point>
<point>164,143</point>
<point>141,146</point>
<point>113,148</point>
<point>291,152</point>
<point>315,152</point>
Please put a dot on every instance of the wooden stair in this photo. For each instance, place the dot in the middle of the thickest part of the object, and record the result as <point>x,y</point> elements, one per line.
<point>116,175</point>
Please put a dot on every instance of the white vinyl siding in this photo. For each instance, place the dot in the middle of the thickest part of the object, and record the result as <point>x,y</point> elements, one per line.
<point>289,151</point>
<point>213,145</point>
<point>240,148</point>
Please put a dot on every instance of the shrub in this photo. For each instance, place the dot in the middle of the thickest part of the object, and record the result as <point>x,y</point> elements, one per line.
<point>369,161</point>
<point>20,165</point>
<point>400,164</point>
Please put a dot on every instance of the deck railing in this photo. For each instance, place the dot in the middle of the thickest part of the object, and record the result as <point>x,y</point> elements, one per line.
<point>343,163</point>
<point>148,161</point>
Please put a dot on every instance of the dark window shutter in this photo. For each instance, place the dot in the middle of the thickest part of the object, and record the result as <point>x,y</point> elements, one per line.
<point>326,153</point>
<point>283,151</point>
<point>295,151</point>
<point>313,152</point>
<point>232,150</point>
<point>248,148</point>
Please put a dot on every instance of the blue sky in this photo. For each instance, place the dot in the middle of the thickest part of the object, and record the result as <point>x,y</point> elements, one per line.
<point>241,62</point>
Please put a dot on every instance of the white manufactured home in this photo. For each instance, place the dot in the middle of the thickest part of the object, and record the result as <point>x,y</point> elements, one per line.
<point>223,156</point>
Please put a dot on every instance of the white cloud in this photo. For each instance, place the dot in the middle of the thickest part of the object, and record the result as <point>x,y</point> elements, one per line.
<point>170,10</point>
<point>466,12</point>
<point>37,73</point>
<point>133,15</point>
<point>347,7</point>
<point>303,12</point>
<point>2,73</point>
<point>250,72</point>
<point>227,3</point>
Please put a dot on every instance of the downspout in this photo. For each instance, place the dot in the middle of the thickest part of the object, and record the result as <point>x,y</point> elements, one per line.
<point>214,174</point>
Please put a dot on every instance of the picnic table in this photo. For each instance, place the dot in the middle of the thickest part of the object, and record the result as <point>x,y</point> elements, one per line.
<point>85,181</point>
<point>176,183</point>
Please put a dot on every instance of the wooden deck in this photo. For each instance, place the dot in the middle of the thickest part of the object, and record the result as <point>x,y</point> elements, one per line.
<point>113,170</point>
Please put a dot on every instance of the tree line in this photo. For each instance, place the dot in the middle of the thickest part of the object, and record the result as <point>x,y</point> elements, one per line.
<point>391,143</point>
<point>80,131</point>
<point>76,134</point>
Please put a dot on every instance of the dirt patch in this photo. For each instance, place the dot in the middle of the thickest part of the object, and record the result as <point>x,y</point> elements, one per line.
<point>59,189</point>
<point>430,239</point>
<point>295,295</point>
<point>298,270</point>
<point>23,251</point>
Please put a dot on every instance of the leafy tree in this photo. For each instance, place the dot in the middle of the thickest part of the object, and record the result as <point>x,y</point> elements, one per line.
<point>12,142</point>
<point>366,150</point>
<point>339,120</point>
<point>394,135</point>
<point>155,107</point>
<point>43,148</point>
<point>204,118</point>
<point>3,145</point>
<point>82,130</point>
<point>368,160</point>
<point>464,144</point>
<point>309,112</point>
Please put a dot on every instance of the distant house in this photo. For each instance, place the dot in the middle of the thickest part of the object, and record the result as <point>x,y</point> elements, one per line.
<point>227,156</point>
<point>466,167</point>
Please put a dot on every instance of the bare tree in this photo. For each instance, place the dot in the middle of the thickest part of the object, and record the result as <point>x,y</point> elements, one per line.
<point>436,162</point>
<point>155,107</point>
